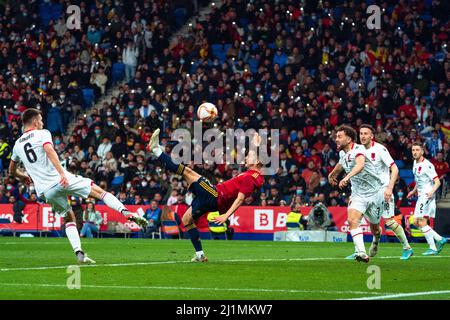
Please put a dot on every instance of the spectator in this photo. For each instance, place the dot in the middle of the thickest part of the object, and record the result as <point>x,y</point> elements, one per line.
<point>92,219</point>
<point>129,57</point>
<point>153,215</point>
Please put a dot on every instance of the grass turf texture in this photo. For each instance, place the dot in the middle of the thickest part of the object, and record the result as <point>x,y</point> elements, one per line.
<point>160,269</point>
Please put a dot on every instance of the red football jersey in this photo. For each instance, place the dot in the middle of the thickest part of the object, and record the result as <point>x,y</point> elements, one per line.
<point>245,182</point>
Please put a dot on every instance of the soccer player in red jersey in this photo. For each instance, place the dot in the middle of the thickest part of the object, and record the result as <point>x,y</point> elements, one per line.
<point>225,197</point>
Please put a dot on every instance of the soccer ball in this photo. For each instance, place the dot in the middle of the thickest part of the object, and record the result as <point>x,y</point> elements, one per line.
<point>206,112</point>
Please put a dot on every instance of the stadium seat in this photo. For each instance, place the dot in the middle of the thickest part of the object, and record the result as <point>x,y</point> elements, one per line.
<point>117,181</point>
<point>118,72</point>
<point>406,173</point>
<point>408,180</point>
<point>180,16</point>
<point>88,98</point>
<point>400,164</point>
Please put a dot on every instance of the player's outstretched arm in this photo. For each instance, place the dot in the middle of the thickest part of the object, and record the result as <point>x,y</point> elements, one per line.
<point>360,160</point>
<point>53,157</point>
<point>16,172</point>
<point>236,204</point>
<point>332,177</point>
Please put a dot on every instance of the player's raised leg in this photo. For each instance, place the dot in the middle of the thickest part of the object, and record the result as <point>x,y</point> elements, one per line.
<point>354,218</point>
<point>111,201</point>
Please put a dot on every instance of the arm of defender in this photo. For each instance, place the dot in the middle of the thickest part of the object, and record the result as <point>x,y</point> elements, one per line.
<point>236,204</point>
<point>393,179</point>
<point>16,172</point>
<point>53,157</point>
<point>332,177</point>
<point>356,169</point>
<point>437,184</point>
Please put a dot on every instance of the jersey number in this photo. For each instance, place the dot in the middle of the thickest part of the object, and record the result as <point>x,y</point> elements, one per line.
<point>29,152</point>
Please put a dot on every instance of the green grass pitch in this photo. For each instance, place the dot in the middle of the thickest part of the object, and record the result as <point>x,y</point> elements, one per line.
<point>36,268</point>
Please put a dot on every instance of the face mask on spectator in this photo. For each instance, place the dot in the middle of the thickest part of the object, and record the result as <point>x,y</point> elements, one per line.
<point>54,104</point>
<point>110,123</point>
<point>400,194</point>
<point>144,184</point>
<point>322,183</point>
<point>62,97</point>
<point>419,76</point>
<point>128,185</point>
<point>125,123</point>
<point>181,61</point>
<point>156,61</point>
<point>161,71</point>
<point>57,141</point>
<point>108,113</point>
<point>131,106</point>
<point>258,89</point>
<point>41,79</point>
<point>385,95</point>
<point>97,131</point>
<point>332,163</point>
<point>299,192</point>
<point>122,113</point>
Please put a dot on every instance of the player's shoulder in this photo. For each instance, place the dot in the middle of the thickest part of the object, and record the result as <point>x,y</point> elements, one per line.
<point>380,147</point>
<point>428,164</point>
<point>341,153</point>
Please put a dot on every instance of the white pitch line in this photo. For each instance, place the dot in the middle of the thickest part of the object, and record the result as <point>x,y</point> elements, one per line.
<point>403,295</point>
<point>187,261</point>
<point>192,288</point>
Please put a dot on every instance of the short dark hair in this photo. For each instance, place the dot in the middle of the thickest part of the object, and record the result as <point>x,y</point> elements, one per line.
<point>367,126</point>
<point>349,131</point>
<point>418,144</point>
<point>29,114</point>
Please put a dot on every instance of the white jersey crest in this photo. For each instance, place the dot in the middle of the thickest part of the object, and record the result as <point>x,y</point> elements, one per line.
<point>379,161</point>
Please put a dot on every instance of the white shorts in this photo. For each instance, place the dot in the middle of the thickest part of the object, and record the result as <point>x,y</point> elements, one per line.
<point>388,208</point>
<point>56,196</point>
<point>425,207</point>
<point>370,207</point>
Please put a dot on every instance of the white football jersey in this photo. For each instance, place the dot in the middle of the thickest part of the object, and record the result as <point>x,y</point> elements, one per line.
<point>380,162</point>
<point>29,149</point>
<point>366,183</point>
<point>424,174</point>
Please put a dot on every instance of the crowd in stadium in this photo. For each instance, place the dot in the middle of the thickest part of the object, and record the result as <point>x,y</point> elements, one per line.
<point>301,67</point>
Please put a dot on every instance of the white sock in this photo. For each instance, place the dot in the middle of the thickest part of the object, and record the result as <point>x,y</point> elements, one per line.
<point>157,150</point>
<point>73,236</point>
<point>436,235</point>
<point>112,202</point>
<point>400,234</point>
<point>429,237</point>
<point>358,239</point>
<point>199,253</point>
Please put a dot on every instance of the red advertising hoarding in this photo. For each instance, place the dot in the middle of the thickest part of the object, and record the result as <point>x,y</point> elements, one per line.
<point>245,220</point>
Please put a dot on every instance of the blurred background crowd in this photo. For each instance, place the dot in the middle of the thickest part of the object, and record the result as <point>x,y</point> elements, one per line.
<point>302,67</point>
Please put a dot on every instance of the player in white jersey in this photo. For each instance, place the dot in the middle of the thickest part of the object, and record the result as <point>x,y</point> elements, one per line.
<point>380,161</point>
<point>427,182</point>
<point>366,197</point>
<point>52,182</point>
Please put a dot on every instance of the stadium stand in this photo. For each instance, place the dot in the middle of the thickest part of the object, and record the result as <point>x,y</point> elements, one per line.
<point>302,67</point>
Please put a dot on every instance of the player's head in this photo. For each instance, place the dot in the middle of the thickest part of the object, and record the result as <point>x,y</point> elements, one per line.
<point>366,132</point>
<point>32,118</point>
<point>344,136</point>
<point>252,161</point>
<point>417,150</point>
